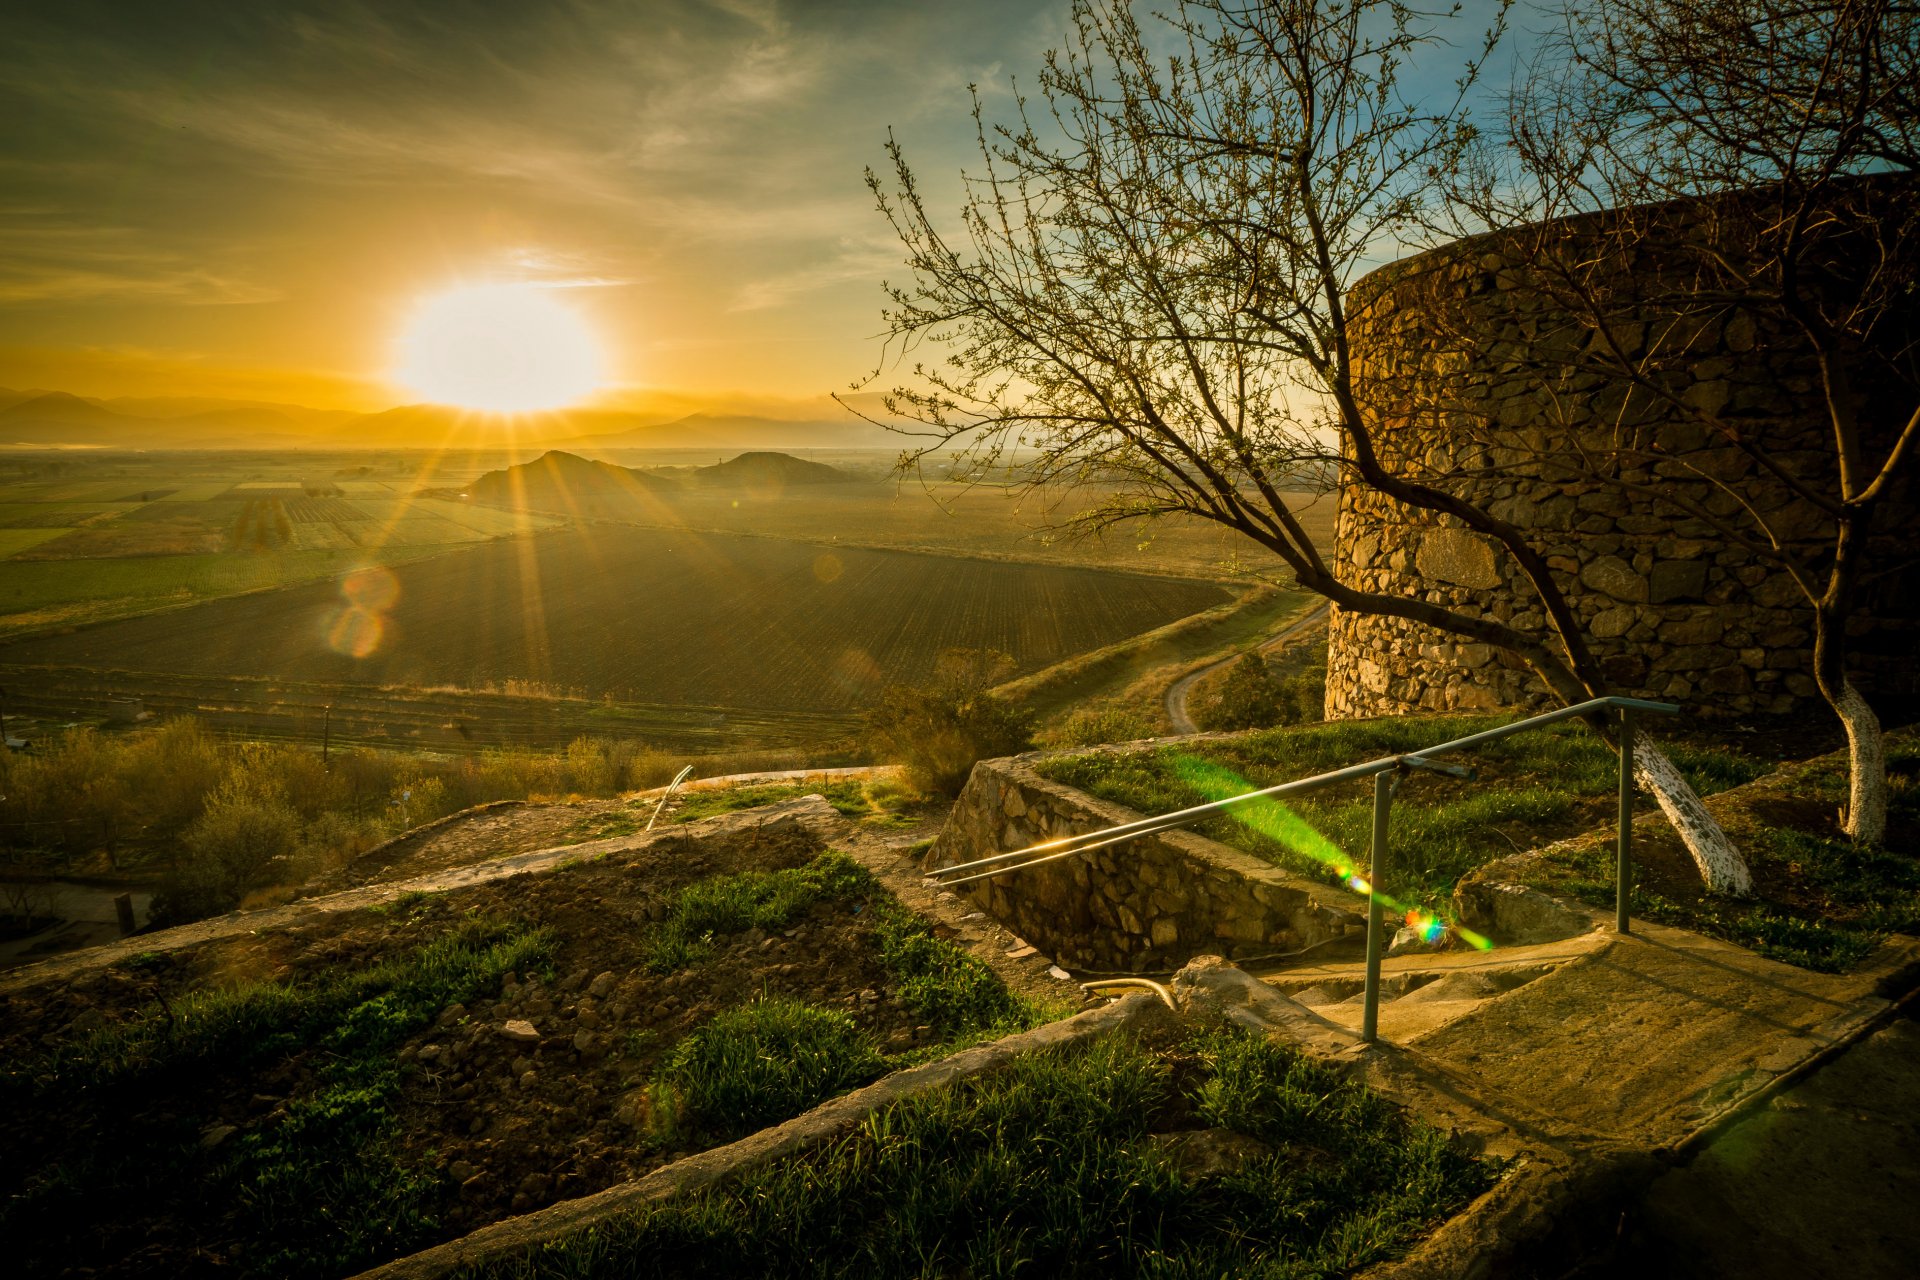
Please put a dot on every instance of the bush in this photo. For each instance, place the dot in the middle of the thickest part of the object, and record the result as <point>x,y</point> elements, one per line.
<point>227,850</point>
<point>1091,726</point>
<point>939,730</point>
<point>1247,698</point>
<point>1258,694</point>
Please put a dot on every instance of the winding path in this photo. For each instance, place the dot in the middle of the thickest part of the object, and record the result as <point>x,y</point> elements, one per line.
<point>1177,691</point>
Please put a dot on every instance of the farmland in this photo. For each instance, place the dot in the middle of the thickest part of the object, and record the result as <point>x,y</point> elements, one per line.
<point>644,616</point>
<point>90,539</point>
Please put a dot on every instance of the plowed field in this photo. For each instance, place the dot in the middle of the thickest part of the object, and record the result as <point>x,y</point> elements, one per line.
<point>645,615</point>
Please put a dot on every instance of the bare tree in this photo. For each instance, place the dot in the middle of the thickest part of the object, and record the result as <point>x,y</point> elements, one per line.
<point>1148,287</point>
<point>1766,149</point>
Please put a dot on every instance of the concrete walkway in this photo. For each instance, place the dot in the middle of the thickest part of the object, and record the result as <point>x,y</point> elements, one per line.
<point>1822,1181</point>
<point>1643,1040</point>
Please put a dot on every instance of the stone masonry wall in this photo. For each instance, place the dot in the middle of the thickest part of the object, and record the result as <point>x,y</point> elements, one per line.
<point>1463,368</point>
<point>1145,906</point>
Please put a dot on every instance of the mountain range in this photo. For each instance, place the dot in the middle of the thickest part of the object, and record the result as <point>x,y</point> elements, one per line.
<point>60,420</point>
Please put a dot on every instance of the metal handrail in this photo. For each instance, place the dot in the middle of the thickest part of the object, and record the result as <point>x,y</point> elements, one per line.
<point>1001,864</point>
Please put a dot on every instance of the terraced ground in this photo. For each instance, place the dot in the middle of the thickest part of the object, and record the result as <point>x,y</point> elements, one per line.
<point>643,615</point>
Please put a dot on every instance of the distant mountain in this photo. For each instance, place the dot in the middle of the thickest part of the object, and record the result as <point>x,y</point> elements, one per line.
<point>709,431</point>
<point>766,470</point>
<point>57,419</point>
<point>571,485</point>
<point>178,407</point>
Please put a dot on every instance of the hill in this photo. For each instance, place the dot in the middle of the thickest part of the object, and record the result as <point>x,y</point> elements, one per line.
<point>56,419</point>
<point>767,471</point>
<point>701,430</point>
<point>568,483</point>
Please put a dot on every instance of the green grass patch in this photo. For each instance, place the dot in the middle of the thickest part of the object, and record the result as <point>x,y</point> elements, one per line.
<point>1532,788</point>
<point>1047,1168</point>
<point>762,1063</point>
<point>749,900</point>
<point>949,986</point>
<point>234,1026</point>
<point>1820,901</point>
<point>321,1189</point>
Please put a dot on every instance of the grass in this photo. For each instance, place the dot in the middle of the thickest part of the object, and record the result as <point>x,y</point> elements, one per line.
<point>1047,1168</point>
<point>762,1063</point>
<point>1532,788</point>
<point>769,1060</point>
<point>1104,674</point>
<point>748,900</point>
<point>322,1189</point>
<point>944,983</point>
<point>1820,901</point>
<point>42,593</point>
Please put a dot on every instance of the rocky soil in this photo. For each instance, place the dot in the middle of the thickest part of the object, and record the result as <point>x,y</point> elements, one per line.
<point>510,1102</point>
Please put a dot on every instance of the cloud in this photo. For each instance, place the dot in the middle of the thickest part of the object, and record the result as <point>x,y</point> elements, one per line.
<point>849,260</point>
<point>93,264</point>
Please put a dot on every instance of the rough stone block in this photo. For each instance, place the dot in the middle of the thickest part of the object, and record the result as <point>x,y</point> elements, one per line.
<point>1515,914</point>
<point>1615,577</point>
<point>1677,580</point>
<point>1458,556</point>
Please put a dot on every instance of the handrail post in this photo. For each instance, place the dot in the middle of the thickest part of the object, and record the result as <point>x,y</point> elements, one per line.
<point>1382,802</point>
<point>1623,865</point>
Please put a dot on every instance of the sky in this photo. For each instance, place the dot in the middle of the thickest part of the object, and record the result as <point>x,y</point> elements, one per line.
<point>206,197</point>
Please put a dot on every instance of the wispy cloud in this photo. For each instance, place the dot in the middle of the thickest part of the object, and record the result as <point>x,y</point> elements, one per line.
<point>91,264</point>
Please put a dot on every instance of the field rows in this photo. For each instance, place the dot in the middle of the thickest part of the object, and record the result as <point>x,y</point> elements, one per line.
<point>647,616</point>
<point>439,720</point>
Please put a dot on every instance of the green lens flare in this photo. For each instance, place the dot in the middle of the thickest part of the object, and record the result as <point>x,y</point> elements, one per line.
<point>1277,822</point>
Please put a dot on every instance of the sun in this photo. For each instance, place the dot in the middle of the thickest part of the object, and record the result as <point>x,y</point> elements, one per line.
<point>499,348</point>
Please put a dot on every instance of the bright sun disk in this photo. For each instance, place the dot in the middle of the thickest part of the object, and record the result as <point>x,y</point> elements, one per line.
<point>499,348</point>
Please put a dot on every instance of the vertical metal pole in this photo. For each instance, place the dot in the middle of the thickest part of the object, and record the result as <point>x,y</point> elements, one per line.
<point>1623,866</point>
<point>326,738</point>
<point>1382,800</point>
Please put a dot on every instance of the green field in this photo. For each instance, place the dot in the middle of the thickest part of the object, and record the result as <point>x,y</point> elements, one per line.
<point>708,621</point>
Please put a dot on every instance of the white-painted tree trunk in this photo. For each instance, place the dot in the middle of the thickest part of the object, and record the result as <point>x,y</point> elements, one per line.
<point>1721,865</point>
<point>1866,816</point>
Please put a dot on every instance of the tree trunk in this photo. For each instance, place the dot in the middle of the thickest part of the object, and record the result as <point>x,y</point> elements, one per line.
<point>1720,863</point>
<point>1866,816</point>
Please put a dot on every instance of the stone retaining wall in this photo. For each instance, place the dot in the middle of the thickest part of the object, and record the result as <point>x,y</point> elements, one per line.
<point>1468,360</point>
<point>1146,906</point>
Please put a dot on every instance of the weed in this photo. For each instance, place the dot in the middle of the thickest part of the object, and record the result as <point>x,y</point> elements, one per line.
<point>749,900</point>
<point>319,1190</point>
<point>1046,1168</point>
<point>765,1062</point>
<point>945,984</point>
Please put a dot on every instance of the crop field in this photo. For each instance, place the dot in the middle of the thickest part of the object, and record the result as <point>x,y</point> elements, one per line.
<point>659,617</point>
<point>127,535</point>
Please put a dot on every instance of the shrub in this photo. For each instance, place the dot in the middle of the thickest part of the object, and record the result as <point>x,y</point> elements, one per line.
<point>1258,694</point>
<point>1247,698</point>
<point>1091,726</point>
<point>940,729</point>
<point>226,851</point>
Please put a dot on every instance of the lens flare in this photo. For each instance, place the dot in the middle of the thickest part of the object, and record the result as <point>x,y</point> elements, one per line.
<point>1282,825</point>
<point>359,626</point>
